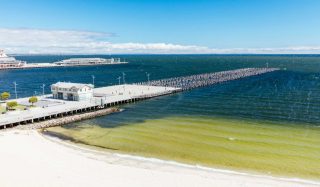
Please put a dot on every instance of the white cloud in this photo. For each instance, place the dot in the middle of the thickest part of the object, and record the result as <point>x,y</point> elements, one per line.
<point>37,41</point>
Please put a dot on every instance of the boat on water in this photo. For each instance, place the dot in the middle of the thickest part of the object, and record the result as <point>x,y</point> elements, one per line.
<point>7,62</point>
<point>88,61</point>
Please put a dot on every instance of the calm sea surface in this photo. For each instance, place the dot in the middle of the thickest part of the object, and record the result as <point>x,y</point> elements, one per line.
<point>291,95</point>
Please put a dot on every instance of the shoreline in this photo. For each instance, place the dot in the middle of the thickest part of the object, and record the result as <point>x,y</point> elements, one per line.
<point>156,161</point>
<point>246,147</point>
<point>27,154</point>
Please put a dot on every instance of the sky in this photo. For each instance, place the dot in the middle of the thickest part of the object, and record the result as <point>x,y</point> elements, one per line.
<point>160,26</point>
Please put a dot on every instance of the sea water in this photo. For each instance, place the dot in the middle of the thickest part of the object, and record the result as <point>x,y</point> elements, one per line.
<point>267,123</point>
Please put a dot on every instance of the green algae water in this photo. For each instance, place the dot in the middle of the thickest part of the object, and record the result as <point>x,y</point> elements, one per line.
<point>269,148</point>
<point>267,124</point>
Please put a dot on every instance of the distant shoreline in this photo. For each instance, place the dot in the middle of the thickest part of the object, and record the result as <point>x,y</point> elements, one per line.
<point>52,65</point>
<point>163,54</point>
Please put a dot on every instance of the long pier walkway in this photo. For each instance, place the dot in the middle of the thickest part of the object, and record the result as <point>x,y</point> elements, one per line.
<point>107,97</point>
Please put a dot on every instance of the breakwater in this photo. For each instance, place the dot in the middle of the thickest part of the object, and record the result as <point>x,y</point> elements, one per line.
<point>200,80</point>
<point>67,119</point>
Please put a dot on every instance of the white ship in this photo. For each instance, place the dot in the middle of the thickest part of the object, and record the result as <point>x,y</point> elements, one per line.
<point>88,61</point>
<point>7,62</point>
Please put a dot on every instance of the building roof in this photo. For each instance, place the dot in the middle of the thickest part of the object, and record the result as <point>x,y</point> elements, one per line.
<point>69,85</point>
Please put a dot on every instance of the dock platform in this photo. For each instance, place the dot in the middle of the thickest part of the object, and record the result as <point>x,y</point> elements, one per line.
<point>48,108</point>
<point>104,97</point>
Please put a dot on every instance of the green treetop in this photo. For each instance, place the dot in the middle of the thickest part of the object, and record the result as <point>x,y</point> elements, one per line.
<point>5,95</point>
<point>12,104</point>
<point>33,100</point>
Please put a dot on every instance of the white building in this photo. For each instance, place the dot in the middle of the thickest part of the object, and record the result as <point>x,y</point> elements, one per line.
<point>72,91</point>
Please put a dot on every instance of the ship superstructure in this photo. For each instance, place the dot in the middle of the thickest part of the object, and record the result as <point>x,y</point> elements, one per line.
<point>88,61</point>
<point>7,62</point>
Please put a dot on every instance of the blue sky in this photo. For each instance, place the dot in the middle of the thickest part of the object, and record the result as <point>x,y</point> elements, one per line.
<point>154,26</point>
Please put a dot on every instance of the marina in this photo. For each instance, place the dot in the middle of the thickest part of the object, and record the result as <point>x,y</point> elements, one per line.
<point>73,98</point>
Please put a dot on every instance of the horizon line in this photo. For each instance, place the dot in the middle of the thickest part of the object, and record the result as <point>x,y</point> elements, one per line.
<point>105,54</point>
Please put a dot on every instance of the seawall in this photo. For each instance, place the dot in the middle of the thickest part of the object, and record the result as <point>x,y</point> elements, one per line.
<point>67,119</point>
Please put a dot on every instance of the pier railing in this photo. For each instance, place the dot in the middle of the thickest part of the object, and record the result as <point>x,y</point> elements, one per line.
<point>145,96</point>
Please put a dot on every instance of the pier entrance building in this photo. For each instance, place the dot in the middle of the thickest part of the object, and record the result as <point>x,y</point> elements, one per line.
<point>72,91</point>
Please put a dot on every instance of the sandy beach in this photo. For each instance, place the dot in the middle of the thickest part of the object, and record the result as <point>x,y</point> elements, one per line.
<point>30,159</point>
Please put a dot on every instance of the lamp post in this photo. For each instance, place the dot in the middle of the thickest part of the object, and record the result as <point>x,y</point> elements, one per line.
<point>15,89</point>
<point>123,77</point>
<point>148,76</point>
<point>43,85</point>
<point>119,79</point>
<point>93,77</point>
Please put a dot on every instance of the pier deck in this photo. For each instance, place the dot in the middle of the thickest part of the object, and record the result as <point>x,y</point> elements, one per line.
<point>104,97</point>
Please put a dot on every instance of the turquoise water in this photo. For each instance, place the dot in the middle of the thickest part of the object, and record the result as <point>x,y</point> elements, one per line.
<point>290,95</point>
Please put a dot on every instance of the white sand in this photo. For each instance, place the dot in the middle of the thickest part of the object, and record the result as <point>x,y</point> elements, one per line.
<point>29,159</point>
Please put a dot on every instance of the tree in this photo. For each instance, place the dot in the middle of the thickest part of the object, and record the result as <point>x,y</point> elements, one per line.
<point>11,104</point>
<point>33,99</point>
<point>5,95</point>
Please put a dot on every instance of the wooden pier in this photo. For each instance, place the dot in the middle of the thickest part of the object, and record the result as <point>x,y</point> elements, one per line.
<point>111,96</point>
